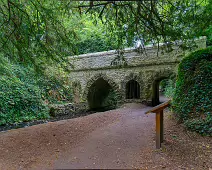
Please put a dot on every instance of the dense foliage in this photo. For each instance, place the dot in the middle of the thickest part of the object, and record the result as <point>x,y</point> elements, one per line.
<point>193,96</point>
<point>91,37</point>
<point>151,21</point>
<point>208,34</point>
<point>34,32</point>
<point>24,94</point>
<point>38,30</point>
<point>111,100</point>
<point>167,86</point>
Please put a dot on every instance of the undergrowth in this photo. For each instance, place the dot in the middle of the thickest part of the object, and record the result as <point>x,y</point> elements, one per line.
<point>25,94</point>
<point>111,100</point>
<point>167,87</point>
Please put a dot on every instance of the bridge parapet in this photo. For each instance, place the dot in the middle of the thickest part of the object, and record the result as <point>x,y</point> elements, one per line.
<point>131,57</point>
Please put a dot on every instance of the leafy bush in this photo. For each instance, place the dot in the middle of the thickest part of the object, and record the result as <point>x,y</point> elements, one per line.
<point>95,44</point>
<point>168,87</point>
<point>24,94</point>
<point>208,34</point>
<point>20,99</point>
<point>169,90</point>
<point>202,126</point>
<point>111,101</point>
<point>91,45</point>
<point>54,85</point>
<point>91,34</point>
<point>193,95</point>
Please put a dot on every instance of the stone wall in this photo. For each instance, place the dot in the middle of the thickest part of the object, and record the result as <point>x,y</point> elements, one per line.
<point>118,78</point>
<point>145,66</point>
<point>133,57</point>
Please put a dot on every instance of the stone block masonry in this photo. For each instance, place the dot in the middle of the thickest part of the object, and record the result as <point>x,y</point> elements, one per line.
<point>91,72</point>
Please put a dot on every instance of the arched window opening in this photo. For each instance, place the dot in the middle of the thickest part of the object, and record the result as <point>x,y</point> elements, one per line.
<point>132,90</point>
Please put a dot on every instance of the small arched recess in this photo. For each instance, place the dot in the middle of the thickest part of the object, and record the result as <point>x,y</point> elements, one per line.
<point>132,87</point>
<point>132,90</point>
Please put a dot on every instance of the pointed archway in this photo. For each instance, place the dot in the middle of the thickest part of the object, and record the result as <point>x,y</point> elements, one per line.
<point>132,90</point>
<point>97,94</point>
<point>158,77</point>
<point>99,90</point>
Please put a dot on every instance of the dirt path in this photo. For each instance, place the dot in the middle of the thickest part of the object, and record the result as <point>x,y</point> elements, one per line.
<point>122,138</point>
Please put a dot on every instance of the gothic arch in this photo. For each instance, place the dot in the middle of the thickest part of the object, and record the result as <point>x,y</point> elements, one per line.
<point>132,90</point>
<point>155,81</point>
<point>127,79</point>
<point>96,77</point>
<point>106,84</point>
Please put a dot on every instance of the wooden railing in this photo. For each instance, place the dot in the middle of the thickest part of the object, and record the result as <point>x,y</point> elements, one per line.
<point>159,121</point>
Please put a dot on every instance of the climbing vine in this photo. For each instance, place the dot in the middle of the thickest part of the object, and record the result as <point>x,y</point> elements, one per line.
<point>193,95</point>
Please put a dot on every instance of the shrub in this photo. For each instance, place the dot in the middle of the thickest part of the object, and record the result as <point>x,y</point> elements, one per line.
<point>95,44</point>
<point>20,101</point>
<point>111,100</point>
<point>168,87</point>
<point>193,95</point>
<point>54,85</point>
<point>24,94</point>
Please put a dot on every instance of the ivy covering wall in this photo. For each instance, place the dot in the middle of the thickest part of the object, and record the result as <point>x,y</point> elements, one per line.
<point>193,96</point>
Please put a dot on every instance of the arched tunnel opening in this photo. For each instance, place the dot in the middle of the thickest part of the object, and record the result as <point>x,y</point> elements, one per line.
<point>101,96</point>
<point>132,90</point>
<point>163,89</point>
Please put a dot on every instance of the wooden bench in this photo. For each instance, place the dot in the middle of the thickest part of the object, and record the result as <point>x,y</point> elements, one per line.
<point>159,121</point>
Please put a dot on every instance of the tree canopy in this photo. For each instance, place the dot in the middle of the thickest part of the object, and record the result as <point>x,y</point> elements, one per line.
<point>37,30</point>
<point>151,20</point>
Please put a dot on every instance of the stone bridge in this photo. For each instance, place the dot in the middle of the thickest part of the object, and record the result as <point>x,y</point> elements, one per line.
<point>132,75</point>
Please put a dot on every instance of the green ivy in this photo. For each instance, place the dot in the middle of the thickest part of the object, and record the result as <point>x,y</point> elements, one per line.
<point>95,44</point>
<point>193,95</point>
<point>111,100</point>
<point>24,94</point>
<point>168,87</point>
<point>20,101</point>
<point>202,126</point>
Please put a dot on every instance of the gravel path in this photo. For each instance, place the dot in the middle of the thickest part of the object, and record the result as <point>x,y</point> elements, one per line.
<point>121,138</point>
